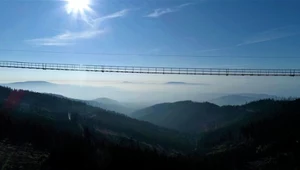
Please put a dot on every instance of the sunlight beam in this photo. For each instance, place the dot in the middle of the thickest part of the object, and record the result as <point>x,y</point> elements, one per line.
<point>78,8</point>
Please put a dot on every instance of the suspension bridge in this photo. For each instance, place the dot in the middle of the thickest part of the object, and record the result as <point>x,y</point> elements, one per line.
<point>151,70</point>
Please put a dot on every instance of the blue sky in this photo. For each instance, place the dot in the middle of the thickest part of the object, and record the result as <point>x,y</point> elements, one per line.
<point>193,33</point>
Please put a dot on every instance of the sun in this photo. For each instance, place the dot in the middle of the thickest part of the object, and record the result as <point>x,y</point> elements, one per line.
<point>78,6</point>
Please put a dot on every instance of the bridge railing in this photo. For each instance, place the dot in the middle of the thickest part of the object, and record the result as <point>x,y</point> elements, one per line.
<point>151,70</point>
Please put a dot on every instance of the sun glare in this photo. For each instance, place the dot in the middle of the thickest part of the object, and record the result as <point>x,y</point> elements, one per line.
<point>78,6</point>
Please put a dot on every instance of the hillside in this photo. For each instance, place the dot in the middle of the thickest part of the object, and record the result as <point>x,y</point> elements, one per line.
<point>268,139</point>
<point>188,116</point>
<point>109,104</point>
<point>107,101</point>
<point>30,144</point>
<point>36,135</point>
<point>59,111</point>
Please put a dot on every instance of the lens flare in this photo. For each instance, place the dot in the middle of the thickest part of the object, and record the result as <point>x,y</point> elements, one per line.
<point>77,6</point>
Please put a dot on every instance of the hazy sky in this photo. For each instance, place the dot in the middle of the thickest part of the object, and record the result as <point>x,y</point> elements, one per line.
<point>193,33</point>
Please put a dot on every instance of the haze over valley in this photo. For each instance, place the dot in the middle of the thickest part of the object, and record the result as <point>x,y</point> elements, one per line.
<point>124,101</point>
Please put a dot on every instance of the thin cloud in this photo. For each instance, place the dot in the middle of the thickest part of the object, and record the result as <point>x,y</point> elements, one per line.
<point>65,39</point>
<point>213,49</point>
<point>158,12</point>
<point>117,14</point>
<point>69,38</point>
<point>162,11</point>
<point>271,35</point>
<point>184,5</point>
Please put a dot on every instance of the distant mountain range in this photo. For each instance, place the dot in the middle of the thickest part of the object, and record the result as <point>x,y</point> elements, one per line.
<point>188,116</point>
<point>30,83</point>
<point>74,92</point>
<point>240,99</point>
<point>133,104</point>
<point>184,83</point>
<point>129,97</point>
<point>107,101</point>
<point>112,105</point>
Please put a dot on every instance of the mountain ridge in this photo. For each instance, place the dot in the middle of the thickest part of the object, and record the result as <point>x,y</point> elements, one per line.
<point>189,116</point>
<point>240,99</point>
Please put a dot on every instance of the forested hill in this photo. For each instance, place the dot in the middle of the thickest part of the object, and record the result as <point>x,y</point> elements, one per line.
<point>36,136</point>
<point>188,116</point>
<point>50,108</point>
<point>109,104</point>
<point>267,139</point>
